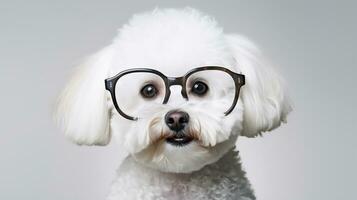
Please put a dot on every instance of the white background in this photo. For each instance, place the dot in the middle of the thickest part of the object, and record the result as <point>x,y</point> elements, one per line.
<point>312,42</point>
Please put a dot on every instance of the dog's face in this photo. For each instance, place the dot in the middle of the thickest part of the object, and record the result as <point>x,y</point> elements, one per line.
<point>189,128</point>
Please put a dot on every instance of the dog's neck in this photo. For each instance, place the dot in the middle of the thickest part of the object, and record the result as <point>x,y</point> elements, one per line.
<point>223,179</point>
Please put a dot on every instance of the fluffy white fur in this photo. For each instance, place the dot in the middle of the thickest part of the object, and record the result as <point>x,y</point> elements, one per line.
<point>173,42</point>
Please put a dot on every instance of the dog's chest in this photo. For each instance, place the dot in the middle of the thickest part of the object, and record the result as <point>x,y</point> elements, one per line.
<point>212,182</point>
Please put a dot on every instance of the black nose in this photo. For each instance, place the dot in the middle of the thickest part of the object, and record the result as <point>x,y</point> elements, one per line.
<point>176,120</point>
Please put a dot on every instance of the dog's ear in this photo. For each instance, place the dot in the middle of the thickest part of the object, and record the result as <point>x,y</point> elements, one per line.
<point>265,101</point>
<point>82,111</point>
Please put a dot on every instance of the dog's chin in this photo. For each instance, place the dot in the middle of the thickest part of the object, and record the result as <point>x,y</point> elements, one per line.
<point>181,155</point>
<point>171,155</point>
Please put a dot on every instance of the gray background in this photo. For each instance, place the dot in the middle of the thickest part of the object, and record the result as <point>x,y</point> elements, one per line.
<point>312,42</point>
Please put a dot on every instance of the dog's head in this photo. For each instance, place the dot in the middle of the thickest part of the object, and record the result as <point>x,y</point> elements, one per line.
<point>172,115</point>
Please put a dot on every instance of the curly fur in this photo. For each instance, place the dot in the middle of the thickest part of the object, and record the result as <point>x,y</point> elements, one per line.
<point>224,179</point>
<point>174,41</point>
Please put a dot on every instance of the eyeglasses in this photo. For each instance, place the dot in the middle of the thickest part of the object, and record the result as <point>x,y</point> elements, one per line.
<point>138,89</point>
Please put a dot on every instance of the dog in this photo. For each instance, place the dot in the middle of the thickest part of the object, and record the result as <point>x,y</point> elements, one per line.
<point>175,92</point>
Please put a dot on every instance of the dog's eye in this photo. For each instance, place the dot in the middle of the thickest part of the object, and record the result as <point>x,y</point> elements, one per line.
<point>148,91</point>
<point>199,88</point>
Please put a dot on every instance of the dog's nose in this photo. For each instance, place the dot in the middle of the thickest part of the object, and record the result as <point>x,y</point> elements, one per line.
<point>176,120</point>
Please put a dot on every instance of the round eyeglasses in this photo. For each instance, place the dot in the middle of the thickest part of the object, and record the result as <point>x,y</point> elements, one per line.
<point>134,89</point>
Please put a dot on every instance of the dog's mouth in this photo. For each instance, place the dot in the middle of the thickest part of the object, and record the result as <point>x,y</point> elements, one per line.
<point>179,140</point>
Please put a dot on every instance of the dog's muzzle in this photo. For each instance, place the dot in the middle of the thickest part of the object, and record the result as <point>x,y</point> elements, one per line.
<point>177,121</point>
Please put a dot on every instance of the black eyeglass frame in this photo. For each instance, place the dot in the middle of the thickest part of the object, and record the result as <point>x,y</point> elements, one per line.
<point>110,83</point>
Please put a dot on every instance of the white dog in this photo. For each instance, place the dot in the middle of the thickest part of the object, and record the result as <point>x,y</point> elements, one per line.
<point>176,92</point>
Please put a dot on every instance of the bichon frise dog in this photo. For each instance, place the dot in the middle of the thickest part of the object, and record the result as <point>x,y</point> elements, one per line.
<point>175,92</point>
